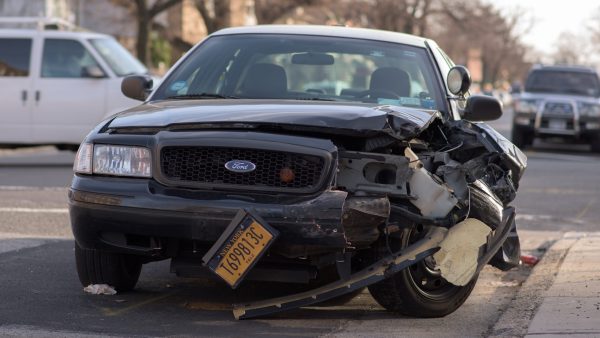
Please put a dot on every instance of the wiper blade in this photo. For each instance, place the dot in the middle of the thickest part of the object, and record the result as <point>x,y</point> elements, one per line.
<point>202,96</point>
<point>313,99</point>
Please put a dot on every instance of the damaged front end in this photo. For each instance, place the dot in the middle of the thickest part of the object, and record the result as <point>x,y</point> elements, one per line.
<point>427,194</point>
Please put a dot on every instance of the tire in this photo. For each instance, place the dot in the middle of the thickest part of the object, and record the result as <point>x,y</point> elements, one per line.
<point>520,138</point>
<point>401,293</point>
<point>595,144</point>
<point>97,267</point>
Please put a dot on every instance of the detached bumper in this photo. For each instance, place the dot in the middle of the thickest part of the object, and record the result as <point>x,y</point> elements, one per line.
<point>141,217</point>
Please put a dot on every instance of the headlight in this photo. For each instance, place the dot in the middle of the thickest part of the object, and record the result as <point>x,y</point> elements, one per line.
<point>122,161</point>
<point>589,109</point>
<point>526,106</point>
<point>83,160</point>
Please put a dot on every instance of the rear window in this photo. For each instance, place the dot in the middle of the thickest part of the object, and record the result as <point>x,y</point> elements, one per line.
<point>563,82</point>
<point>15,55</point>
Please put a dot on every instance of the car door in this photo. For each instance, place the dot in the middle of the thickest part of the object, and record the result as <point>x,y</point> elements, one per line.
<point>16,84</point>
<point>68,100</point>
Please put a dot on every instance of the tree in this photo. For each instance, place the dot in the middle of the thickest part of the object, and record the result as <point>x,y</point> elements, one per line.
<point>571,49</point>
<point>145,11</point>
<point>215,13</point>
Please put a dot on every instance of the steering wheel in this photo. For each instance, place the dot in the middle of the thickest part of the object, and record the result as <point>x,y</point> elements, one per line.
<point>381,93</point>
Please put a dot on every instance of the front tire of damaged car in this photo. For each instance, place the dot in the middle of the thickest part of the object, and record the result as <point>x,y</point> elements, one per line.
<point>97,267</point>
<point>419,290</point>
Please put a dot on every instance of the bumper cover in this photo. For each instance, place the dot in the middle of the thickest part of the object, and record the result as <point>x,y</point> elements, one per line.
<point>104,212</point>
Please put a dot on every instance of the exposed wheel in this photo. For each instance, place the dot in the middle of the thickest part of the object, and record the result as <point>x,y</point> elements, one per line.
<point>420,290</point>
<point>521,138</point>
<point>97,267</point>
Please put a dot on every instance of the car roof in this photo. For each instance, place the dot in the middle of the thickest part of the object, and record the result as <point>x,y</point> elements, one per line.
<point>565,68</point>
<point>332,31</point>
<point>18,32</point>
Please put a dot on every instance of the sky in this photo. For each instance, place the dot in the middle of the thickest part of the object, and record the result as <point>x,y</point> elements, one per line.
<point>550,18</point>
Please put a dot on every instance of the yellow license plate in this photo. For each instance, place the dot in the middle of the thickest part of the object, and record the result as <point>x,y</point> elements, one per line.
<point>239,248</point>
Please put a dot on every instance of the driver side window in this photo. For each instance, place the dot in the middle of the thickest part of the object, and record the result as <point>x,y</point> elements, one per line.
<point>64,58</point>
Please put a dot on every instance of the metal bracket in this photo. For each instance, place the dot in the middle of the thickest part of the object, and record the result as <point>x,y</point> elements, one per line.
<point>374,273</point>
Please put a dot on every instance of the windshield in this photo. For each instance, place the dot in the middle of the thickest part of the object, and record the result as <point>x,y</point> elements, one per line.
<point>299,67</point>
<point>117,57</point>
<point>563,82</point>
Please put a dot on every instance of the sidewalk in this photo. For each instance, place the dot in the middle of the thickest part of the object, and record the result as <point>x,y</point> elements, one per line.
<point>571,306</point>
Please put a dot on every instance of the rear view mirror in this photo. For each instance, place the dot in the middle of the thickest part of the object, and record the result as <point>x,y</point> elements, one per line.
<point>314,59</point>
<point>136,87</point>
<point>482,108</point>
<point>92,71</point>
<point>458,80</point>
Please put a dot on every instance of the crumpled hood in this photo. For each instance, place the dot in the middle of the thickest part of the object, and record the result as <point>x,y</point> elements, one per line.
<point>334,116</point>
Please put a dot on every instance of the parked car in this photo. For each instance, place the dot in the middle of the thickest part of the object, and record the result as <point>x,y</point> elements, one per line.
<point>558,102</point>
<point>57,82</point>
<point>230,166</point>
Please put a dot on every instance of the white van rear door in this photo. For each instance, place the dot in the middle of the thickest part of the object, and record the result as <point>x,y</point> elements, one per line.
<point>16,83</point>
<point>68,103</point>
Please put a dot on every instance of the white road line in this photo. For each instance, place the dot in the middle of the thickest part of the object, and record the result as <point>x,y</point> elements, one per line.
<point>37,210</point>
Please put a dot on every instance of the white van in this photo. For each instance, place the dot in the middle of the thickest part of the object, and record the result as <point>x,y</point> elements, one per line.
<point>57,84</point>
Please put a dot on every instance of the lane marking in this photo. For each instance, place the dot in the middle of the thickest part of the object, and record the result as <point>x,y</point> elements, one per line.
<point>585,209</point>
<point>558,191</point>
<point>111,312</point>
<point>36,210</point>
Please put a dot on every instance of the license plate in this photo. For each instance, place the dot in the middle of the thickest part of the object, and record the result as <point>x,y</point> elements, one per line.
<point>240,247</point>
<point>557,124</point>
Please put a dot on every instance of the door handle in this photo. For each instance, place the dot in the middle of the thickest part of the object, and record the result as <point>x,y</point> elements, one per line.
<point>37,96</point>
<point>24,96</point>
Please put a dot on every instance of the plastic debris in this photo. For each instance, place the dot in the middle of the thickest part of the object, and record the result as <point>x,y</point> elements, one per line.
<point>100,289</point>
<point>529,260</point>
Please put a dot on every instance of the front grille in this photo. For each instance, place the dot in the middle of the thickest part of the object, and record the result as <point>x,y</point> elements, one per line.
<point>558,108</point>
<point>206,166</point>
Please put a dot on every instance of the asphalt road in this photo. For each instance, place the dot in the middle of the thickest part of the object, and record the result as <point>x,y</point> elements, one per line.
<point>41,295</point>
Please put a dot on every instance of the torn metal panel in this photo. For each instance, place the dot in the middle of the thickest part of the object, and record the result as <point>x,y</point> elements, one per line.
<point>433,198</point>
<point>458,256</point>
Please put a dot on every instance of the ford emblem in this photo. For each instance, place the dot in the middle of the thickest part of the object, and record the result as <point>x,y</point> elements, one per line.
<point>240,166</point>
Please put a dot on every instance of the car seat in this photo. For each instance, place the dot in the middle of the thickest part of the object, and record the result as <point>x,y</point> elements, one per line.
<point>265,81</point>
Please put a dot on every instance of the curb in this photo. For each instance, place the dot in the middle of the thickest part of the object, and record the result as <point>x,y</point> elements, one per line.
<point>514,322</point>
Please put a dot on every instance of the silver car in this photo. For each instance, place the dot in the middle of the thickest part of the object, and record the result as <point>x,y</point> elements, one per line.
<point>558,101</point>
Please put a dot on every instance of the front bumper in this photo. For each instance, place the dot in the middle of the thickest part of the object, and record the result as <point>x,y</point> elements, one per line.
<point>553,125</point>
<point>140,216</point>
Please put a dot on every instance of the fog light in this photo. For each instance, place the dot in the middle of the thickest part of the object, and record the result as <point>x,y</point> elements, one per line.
<point>286,175</point>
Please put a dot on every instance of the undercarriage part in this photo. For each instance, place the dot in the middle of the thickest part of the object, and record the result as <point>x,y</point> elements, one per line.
<point>431,196</point>
<point>459,251</point>
<point>361,218</point>
<point>374,273</point>
<point>402,212</point>
<point>373,173</point>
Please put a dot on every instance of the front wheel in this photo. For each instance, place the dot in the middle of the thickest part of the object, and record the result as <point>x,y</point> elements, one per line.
<point>97,267</point>
<point>419,290</point>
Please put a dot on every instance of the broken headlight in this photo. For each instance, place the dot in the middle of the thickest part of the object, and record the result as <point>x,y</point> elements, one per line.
<point>526,106</point>
<point>113,160</point>
<point>588,109</point>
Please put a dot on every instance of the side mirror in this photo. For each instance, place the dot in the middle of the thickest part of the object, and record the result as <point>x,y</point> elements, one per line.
<point>482,108</point>
<point>136,87</point>
<point>92,71</point>
<point>458,80</point>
